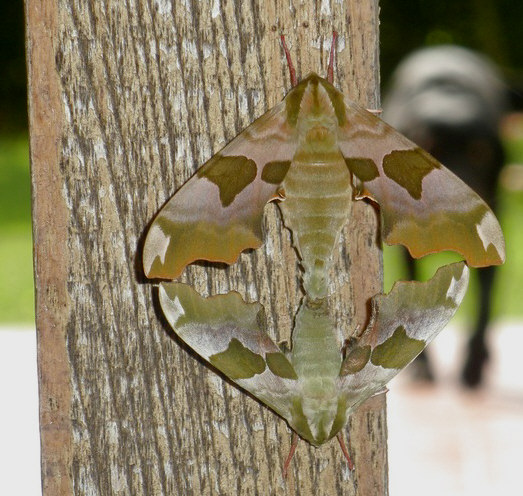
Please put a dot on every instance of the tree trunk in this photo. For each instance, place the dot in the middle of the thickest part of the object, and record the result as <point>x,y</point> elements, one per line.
<point>127,99</point>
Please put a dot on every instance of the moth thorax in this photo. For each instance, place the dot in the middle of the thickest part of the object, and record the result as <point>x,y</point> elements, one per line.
<point>320,137</point>
<point>318,133</point>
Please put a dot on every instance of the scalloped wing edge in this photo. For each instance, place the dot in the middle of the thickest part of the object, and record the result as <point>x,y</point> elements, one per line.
<point>403,322</point>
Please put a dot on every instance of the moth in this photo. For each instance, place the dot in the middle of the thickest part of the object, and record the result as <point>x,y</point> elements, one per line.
<point>315,153</point>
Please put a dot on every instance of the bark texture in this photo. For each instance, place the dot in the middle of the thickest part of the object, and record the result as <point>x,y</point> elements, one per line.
<point>127,99</point>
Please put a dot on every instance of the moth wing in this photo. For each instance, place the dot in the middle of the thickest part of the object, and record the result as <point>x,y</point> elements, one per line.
<point>403,322</point>
<point>226,332</point>
<point>423,205</point>
<point>217,214</point>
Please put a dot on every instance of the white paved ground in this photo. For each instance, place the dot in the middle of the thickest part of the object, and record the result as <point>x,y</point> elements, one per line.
<point>447,441</point>
<point>442,440</point>
<point>19,438</point>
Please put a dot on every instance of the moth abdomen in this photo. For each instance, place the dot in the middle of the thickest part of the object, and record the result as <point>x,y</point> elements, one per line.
<point>318,201</point>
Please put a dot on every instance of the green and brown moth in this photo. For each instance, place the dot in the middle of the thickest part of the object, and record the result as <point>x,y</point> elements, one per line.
<point>317,152</point>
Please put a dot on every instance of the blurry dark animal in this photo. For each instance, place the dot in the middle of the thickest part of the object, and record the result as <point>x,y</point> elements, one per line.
<point>449,101</point>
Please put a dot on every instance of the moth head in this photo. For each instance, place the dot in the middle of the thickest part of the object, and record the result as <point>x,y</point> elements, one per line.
<point>310,106</point>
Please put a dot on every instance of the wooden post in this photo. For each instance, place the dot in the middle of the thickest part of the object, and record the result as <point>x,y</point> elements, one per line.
<point>127,99</point>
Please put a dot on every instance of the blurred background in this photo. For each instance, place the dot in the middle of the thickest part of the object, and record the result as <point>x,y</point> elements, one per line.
<point>461,440</point>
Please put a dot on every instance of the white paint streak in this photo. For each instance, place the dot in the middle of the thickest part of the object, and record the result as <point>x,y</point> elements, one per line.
<point>341,44</point>
<point>228,94</point>
<point>141,54</point>
<point>251,291</point>
<point>165,47</point>
<point>152,50</point>
<point>258,426</point>
<point>216,381</point>
<point>345,472</point>
<point>222,427</point>
<point>327,43</point>
<point>65,106</point>
<point>256,97</point>
<point>189,46</point>
<point>242,102</point>
<point>215,9</point>
<point>223,47</point>
<point>163,7</point>
<point>177,101</point>
<point>112,432</point>
<point>269,247</point>
<point>207,50</point>
<point>317,42</point>
<point>99,149</point>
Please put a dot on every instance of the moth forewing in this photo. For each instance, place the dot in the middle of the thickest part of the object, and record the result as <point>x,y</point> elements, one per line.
<point>217,214</point>
<point>423,205</point>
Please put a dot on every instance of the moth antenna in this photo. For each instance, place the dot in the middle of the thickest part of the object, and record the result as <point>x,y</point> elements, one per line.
<point>294,444</point>
<point>292,70</point>
<point>330,70</point>
<point>339,437</point>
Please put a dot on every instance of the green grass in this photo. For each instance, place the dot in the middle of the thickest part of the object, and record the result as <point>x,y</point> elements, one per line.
<point>16,271</point>
<point>16,277</point>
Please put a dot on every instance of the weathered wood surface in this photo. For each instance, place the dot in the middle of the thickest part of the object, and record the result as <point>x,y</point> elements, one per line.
<point>127,99</point>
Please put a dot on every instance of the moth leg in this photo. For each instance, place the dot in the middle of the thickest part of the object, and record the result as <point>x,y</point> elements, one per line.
<point>339,437</point>
<point>375,111</point>
<point>294,444</point>
<point>292,70</point>
<point>384,390</point>
<point>330,69</point>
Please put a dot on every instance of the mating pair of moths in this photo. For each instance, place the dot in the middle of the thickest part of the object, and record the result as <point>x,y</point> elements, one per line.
<point>316,152</point>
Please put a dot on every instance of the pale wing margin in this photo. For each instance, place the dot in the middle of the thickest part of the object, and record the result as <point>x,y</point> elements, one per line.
<point>217,214</point>
<point>226,332</point>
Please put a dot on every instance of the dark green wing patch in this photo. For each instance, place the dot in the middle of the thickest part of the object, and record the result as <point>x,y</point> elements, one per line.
<point>397,351</point>
<point>238,362</point>
<point>274,172</point>
<point>355,360</point>
<point>293,102</point>
<point>280,366</point>
<point>363,168</point>
<point>298,420</point>
<point>231,174</point>
<point>408,168</point>
<point>338,104</point>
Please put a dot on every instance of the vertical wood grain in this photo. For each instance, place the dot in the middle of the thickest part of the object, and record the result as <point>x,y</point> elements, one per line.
<point>127,99</point>
<point>50,223</point>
